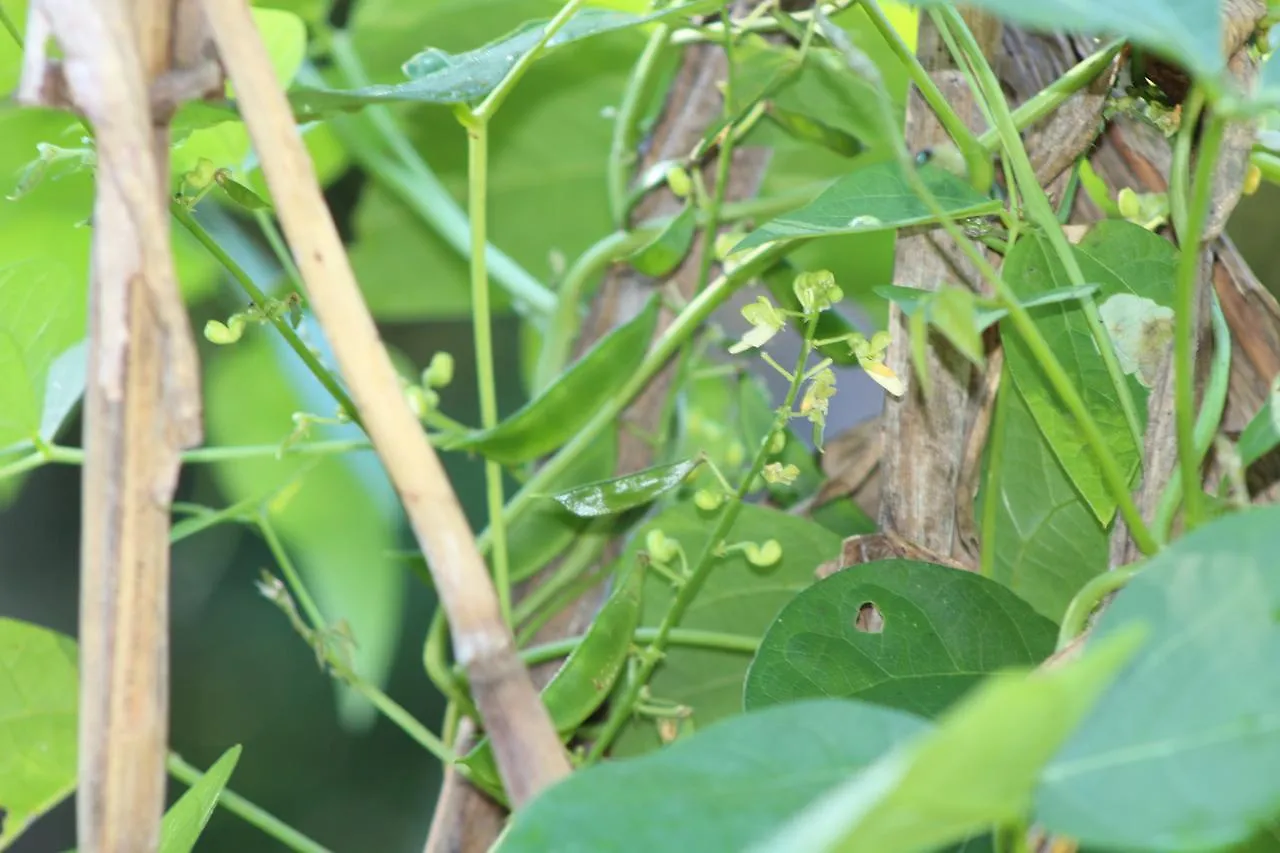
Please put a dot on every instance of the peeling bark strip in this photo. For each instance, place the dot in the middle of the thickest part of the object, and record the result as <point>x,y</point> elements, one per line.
<point>527,749</point>
<point>142,395</point>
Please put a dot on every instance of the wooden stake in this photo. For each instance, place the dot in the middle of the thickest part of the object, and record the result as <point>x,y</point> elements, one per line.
<point>526,746</point>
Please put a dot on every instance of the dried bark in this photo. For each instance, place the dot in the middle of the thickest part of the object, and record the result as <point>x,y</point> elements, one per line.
<point>142,395</point>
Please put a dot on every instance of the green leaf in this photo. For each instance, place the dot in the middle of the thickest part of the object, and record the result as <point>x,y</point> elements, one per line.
<point>63,388</point>
<point>1186,31</point>
<point>1262,434</point>
<point>184,822</point>
<point>41,317</point>
<point>668,248</point>
<point>437,77</point>
<point>38,691</point>
<point>1122,258</point>
<point>242,195</point>
<point>1187,741</point>
<point>873,198</point>
<point>923,660</point>
<point>912,300</point>
<point>1040,539</point>
<point>544,530</point>
<point>737,598</point>
<point>554,416</point>
<point>610,497</point>
<point>977,769</point>
<point>722,789</point>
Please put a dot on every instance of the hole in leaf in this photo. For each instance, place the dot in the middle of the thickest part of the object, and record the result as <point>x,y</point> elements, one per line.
<point>870,620</point>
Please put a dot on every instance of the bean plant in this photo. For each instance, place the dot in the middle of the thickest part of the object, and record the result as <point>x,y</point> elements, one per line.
<point>745,682</point>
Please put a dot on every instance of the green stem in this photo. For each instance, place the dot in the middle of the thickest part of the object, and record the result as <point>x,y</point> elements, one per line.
<point>1040,349</point>
<point>622,145</point>
<point>1088,599</point>
<point>9,25</point>
<point>245,810</point>
<point>309,358</point>
<point>290,572</point>
<point>384,703</point>
<point>652,655</point>
<point>1215,398</point>
<point>687,637</point>
<point>557,344</point>
<point>1184,313</point>
<point>723,163</point>
<point>682,327</point>
<point>436,665</point>
<point>201,455</point>
<point>950,120</point>
<point>23,465</point>
<point>493,101</point>
<point>408,177</point>
<point>1040,208</point>
<point>482,327</point>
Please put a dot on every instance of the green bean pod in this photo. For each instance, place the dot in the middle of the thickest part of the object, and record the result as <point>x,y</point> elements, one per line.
<point>583,682</point>
<point>557,414</point>
<point>619,494</point>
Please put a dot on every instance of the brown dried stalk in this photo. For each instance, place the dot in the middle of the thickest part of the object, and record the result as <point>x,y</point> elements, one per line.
<point>142,396</point>
<point>526,746</point>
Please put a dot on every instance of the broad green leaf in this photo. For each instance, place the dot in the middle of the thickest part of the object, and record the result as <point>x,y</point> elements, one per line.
<point>40,319</point>
<point>873,198</point>
<point>923,660</point>
<point>977,769</point>
<point>737,598</point>
<point>184,822</point>
<point>1180,753</point>
<point>1262,434</point>
<point>549,151</point>
<point>722,789</point>
<point>1122,258</point>
<point>337,516</point>
<point>555,415</point>
<point>619,494</point>
<point>1186,31</point>
<point>63,388</point>
<point>438,77</point>
<point>242,195</point>
<point>544,530</point>
<point>38,690</point>
<point>668,247</point>
<point>1039,537</point>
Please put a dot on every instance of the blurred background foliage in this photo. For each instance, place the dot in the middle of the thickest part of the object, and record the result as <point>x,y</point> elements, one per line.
<point>319,759</point>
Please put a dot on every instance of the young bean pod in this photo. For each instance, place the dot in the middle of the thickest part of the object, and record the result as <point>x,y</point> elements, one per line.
<point>583,682</point>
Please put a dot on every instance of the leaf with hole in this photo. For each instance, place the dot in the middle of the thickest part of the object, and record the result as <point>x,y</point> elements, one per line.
<point>977,769</point>
<point>438,77</point>
<point>1180,754</point>
<point>886,633</point>
<point>669,246</point>
<point>555,416</point>
<point>184,822</point>
<point>38,693</point>
<point>875,197</point>
<point>619,494</point>
<point>1122,258</point>
<point>737,598</point>
<point>1039,537</point>
<point>722,789</point>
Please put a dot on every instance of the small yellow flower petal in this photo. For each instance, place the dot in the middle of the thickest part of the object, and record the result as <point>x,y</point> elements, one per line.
<point>885,378</point>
